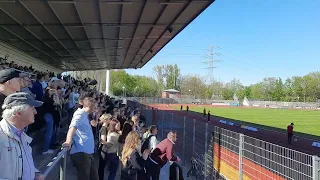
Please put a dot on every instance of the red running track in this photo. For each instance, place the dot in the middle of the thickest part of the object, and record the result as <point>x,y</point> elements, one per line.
<point>302,144</point>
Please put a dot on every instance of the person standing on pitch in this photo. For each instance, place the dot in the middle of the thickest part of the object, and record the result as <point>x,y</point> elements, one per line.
<point>290,132</point>
<point>187,108</point>
<point>209,115</point>
<point>204,112</point>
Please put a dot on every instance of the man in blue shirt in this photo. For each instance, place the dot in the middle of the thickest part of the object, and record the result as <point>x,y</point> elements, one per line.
<point>80,134</point>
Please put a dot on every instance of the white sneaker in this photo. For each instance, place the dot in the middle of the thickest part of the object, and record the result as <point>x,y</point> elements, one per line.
<point>48,152</point>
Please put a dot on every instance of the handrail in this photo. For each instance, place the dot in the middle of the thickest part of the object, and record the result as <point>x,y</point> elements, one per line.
<point>62,154</point>
<point>177,173</point>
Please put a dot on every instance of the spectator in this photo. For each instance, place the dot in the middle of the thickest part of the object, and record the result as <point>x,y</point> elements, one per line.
<point>9,83</point>
<point>127,128</point>
<point>112,148</point>
<point>80,133</point>
<point>37,88</point>
<point>135,121</point>
<point>133,163</point>
<point>104,120</point>
<point>49,111</point>
<point>19,111</point>
<point>38,91</point>
<point>73,100</point>
<point>44,81</point>
<point>141,117</point>
<point>161,155</point>
<point>151,140</point>
<point>25,83</point>
<point>290,132</point>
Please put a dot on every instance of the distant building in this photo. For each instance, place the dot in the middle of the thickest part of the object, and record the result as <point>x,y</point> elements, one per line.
<point>171,93</point>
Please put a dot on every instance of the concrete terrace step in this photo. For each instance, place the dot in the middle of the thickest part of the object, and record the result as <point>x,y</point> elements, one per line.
<point>42,160</point>
<point>72,173</point>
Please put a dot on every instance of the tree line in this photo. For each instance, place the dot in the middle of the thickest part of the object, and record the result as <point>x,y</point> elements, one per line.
<point>298,88</point>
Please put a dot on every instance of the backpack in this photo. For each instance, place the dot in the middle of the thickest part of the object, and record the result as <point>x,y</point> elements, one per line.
<point>128,172</point>
<point>145,143</point>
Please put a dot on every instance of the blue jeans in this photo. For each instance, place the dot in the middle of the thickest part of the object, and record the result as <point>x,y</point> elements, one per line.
<point>49,136</point>
<point>113,165</point>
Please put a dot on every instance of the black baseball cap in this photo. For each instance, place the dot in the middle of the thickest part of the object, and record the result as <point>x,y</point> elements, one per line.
<point>8,74</point>
<point>20,98</point>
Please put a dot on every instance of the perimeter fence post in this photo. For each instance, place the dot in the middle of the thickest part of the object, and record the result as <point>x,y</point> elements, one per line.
<point>184,141</point>
<point>194,136</point>
<point>171,121</point>
<point>315,167</point>
<point>162,124</point>
<point>241,141</point>
<point>206,152</point>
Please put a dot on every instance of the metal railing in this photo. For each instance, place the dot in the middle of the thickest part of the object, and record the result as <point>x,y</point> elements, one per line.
<point>224,154</point>
<point>61,160</point>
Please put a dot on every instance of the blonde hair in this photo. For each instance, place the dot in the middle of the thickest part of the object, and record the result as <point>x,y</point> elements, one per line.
<point>131,143</point>
<point>104,118</point>
<point>134,118</point>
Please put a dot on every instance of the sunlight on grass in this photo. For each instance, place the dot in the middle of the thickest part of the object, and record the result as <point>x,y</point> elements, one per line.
<point>306,121</point>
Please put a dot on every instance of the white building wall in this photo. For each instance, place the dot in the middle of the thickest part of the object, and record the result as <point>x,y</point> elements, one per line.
<point>23,59</point>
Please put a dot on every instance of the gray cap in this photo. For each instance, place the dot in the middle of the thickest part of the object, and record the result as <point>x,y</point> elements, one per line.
<point>20,98</point>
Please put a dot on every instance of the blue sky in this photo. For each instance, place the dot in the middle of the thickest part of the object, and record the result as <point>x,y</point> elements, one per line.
<point>257,39</point>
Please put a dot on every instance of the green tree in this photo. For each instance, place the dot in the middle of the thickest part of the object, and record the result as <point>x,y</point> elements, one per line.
<point>193,85</point>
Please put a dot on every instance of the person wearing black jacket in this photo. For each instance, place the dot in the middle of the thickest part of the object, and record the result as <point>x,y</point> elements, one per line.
<point>49,110</point>
<point>133,163</point>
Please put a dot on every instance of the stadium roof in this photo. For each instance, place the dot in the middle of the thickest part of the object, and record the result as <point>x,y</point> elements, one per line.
<point>93,34</point>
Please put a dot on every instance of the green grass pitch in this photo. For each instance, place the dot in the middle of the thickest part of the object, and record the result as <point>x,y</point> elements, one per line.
<point>306,121</point>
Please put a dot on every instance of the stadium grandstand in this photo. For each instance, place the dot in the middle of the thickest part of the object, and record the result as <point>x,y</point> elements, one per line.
<point>41,39</point>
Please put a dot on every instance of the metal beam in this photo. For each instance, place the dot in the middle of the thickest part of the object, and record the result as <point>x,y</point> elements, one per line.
<point>38,39</point>
<point>156,21</point>
<point>30,44</point>
<point>99,24</point>
<point>75,6</point>
<point>109,1</point>
<point>119,29</point>
<point>107,39</point>
<point>110,48</point>
<point>54,12</point>
<point>209,2</point>
<point>175,18</point>
<point>101,28</point>
<point>44,26</point>
<point>135,30</point>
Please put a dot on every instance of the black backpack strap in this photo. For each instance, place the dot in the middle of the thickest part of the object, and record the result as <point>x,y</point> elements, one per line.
<point>145,144</point>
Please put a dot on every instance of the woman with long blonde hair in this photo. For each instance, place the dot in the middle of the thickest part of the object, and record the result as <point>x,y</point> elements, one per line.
<point>133,163</point>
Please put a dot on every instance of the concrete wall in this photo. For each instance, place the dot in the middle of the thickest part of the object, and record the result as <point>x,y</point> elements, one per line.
<point>23,59</point>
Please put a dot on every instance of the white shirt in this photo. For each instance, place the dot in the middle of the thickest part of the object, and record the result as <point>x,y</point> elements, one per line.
<point>112,142</point>
<point>153,142</point>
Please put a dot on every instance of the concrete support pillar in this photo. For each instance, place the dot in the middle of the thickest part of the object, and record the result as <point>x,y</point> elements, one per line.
<point>108,82</point>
